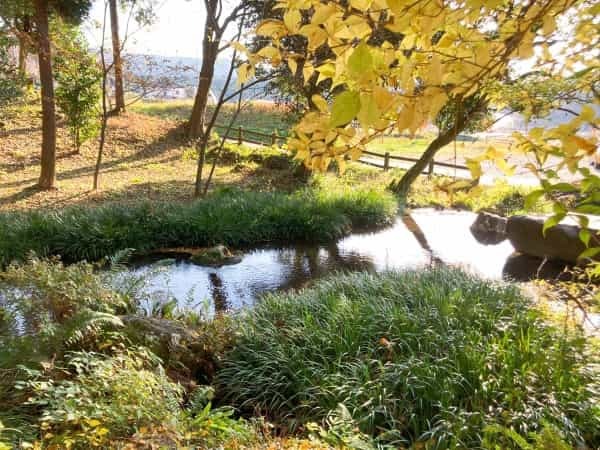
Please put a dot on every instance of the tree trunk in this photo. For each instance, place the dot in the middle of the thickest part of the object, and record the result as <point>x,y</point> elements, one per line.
<point>402,186</point>
<point>48,166</point>
<point>22,58</point>
<point>117,63</point>
<point>210,47</point>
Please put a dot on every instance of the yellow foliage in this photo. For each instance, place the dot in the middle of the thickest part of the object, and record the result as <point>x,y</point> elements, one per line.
<point>447,52</point>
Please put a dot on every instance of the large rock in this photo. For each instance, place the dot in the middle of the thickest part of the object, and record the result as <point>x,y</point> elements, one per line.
<point>489,229</point>
<point>193,352</point>
<point>521,267</point>
<point>561,242</point>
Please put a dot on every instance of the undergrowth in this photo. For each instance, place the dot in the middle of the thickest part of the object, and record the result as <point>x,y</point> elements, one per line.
<point>231,217</point>
<point>430,359</point>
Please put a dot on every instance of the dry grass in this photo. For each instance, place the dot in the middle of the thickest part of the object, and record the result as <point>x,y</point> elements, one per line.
<point>145,158</point>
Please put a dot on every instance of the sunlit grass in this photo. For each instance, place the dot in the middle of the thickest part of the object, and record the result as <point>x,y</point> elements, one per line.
<point>231,217</point>
<point>420,356</point>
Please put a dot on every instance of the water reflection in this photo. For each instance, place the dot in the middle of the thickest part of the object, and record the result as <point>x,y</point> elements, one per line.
<point>426,238</point>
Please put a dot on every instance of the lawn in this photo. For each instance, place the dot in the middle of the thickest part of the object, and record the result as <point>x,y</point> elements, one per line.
<point>265,117</point>
<point>414,147</point>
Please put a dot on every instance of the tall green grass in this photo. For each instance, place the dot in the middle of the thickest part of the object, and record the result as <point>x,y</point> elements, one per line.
<point>424,358</point>
<point>234,218</point>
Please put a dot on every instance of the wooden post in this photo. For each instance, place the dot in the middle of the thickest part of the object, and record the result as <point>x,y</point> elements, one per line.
<point>386,161</point>
<point>240,135</point>
<point>274,137</point>
<point>431,164</point>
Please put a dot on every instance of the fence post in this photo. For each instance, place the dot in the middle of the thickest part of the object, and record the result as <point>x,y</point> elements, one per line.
<point>274,137</point>
<point>386,161</point>
<point>431,164</point>
<point>240,135</point>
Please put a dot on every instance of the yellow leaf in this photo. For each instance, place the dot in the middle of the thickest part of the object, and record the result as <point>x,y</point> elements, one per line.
<point>292,20</point>
<point>361,5</point>
<point>320,103</point>
<point>323,11</point>
<point>355,153</point>
<point>307,72</point>
<point>369,113</point>
<point>293,65</point>
<point>270,53</point>
<point>245,71</point>
<point>587,113</point>
<point>271,28</point>
<point>549,24</point>
<point>316,35</point>
<point>474,167</point>
<point>383,98</point>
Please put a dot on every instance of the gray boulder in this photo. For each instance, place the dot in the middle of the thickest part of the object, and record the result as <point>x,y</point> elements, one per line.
<point>489,229</point>
<point>561,242</point>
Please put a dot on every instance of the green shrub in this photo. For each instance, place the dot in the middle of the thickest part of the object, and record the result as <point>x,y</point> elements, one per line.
<point>233,218</point>
<point>428,357</point>
<point>78,84</point>
<point>47,308</point>
<point>106,398</point>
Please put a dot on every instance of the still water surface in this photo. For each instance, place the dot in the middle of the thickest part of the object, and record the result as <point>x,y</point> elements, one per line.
<point>426,237</point>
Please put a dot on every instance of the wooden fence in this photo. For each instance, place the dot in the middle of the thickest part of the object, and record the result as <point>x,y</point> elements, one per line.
<point>241,135</point>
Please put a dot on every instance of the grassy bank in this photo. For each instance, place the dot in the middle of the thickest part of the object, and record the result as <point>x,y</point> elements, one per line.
<point>265,117</point>
<point>234,218</point>
<point>432,360</point>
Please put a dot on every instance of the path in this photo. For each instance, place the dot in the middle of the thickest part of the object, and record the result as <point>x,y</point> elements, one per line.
<point>491,175</point>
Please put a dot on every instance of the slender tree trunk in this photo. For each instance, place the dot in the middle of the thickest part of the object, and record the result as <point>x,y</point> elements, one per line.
<point>210,48</point>
<point>197,119</point>
<point>104,119</point>
<point>117,62</point>
<point>23,38</point>
<point>48,166</point>
<point>402,186</point>
<point>22,58</point>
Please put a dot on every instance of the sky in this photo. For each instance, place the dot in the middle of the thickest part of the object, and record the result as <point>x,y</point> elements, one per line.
<point>177,31</point>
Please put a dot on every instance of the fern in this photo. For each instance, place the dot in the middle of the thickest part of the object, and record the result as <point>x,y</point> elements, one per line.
<point>548,438</point>
<point>88,324</point>
<point>118,261</point>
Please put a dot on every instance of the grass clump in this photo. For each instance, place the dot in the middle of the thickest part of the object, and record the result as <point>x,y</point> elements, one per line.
<point>233,218</point>
<point>428,358</point>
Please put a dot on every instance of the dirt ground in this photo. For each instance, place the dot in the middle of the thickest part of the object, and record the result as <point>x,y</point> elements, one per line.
<point>145,158</point>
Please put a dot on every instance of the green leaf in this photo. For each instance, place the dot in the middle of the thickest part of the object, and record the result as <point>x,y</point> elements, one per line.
<point>369,112</point>
<point>532,198</point>
<point>552,221</point>
<point>345,107</point>
<point>563,187</point>
<point>588,209</point>
<point>590,253</point>
<point>585,237</point>
<point>360,61</point>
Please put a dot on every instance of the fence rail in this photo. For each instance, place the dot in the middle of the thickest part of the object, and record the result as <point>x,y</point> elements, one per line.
<point>241,135</point>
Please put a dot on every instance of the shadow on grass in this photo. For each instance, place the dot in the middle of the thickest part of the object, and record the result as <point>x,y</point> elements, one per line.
<point>174,138</point>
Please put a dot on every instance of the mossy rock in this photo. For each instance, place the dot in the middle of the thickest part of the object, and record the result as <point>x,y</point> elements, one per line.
<point>216,256</point>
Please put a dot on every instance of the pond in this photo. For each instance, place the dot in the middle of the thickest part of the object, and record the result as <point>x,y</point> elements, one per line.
<point>426,237</point>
